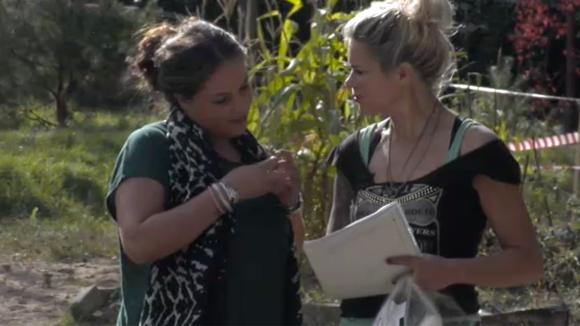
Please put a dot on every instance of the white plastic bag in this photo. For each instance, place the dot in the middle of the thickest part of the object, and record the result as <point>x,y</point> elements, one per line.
<point>408,305</point>
<point>450,311</point>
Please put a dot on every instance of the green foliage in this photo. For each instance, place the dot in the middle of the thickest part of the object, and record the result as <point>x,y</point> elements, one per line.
<point>300,105</point>
<point>509,117</point>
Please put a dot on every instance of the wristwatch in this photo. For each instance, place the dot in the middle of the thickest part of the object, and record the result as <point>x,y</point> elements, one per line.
<point>296,208</point>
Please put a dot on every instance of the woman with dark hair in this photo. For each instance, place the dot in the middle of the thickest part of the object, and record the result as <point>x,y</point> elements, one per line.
<point>205,216</point>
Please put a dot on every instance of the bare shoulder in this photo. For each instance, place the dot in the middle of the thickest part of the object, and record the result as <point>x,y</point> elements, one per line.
<point>477,136</point>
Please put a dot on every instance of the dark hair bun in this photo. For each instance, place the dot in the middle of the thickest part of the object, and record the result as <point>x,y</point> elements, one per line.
<point>152,39</point>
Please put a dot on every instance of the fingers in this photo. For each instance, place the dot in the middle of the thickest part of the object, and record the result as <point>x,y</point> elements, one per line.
<point>278,164</point>
<point>273,169</point>
<point>402,275</point>
<point>287,170</point>
<point>269,164</point>
<point>287,166</point>
<point>285,155</point>
<point>282,174</point>
<point>408,261</point>
<point>280,182</point>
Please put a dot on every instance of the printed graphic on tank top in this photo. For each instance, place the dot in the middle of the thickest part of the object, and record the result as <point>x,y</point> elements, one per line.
<point>419,202</point>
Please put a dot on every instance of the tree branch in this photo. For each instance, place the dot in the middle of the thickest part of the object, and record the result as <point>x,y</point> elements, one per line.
<point>30,115</point>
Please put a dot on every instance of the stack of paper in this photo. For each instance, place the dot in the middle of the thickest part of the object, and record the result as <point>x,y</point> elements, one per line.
<point>350,263</point>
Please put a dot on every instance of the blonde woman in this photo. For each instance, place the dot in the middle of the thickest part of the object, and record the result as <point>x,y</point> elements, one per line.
<point>453,176</point>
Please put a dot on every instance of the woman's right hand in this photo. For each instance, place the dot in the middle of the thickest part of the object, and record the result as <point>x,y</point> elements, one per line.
<point>257,179</point>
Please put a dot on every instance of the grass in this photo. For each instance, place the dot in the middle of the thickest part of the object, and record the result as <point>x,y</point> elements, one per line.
<point>67,320</point>
<point>54,185</point>
<point>60,239</point>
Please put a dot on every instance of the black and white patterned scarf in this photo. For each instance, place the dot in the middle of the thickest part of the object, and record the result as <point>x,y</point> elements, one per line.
<point>180,283</point>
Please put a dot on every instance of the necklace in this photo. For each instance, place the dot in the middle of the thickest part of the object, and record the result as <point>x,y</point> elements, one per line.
<point>413,149</point>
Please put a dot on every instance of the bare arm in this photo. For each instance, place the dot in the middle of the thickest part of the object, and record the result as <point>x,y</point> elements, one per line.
<point>147,232</point>
<point>520,261</point>
<point>342,198</point>
<point>297,222</point>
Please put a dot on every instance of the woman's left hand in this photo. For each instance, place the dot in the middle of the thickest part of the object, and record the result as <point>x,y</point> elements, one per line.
<point>431,273</point>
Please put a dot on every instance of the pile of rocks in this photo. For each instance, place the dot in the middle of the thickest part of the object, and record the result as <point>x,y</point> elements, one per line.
<point>96,304</point>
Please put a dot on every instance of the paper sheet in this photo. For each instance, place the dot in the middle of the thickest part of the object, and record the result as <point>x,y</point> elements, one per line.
<point>350,263</point>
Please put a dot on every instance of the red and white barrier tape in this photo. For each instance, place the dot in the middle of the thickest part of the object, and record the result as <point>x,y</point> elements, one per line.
<point>549,142</point>
<point>545,142</point>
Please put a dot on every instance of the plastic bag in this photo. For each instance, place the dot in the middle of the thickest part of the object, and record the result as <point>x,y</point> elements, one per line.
<point>450,311</point>
<point>408,305</point>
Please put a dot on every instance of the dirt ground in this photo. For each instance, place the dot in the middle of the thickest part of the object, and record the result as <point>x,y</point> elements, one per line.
<point>37,293</point>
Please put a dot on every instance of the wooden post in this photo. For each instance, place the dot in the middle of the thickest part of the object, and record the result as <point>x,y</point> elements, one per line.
<point>571,54</point>
<point>577,160</point>
<point>250,21</point>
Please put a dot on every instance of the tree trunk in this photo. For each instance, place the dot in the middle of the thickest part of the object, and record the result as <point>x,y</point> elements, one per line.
<point>60,96</point>
<point>62,113</point>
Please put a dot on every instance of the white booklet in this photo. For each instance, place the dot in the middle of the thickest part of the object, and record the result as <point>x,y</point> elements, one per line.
<point>350,262</point>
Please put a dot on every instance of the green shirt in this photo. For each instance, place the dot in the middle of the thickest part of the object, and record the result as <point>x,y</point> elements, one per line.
<point>258,253</point>
<point>144,154</point>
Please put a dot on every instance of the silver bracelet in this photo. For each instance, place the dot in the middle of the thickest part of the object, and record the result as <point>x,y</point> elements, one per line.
<point>222,197</point>
<point>218,204</point>
<point>232,195</point>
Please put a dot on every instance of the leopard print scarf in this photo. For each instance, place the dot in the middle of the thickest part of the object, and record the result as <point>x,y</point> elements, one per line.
<point>180,283</point>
